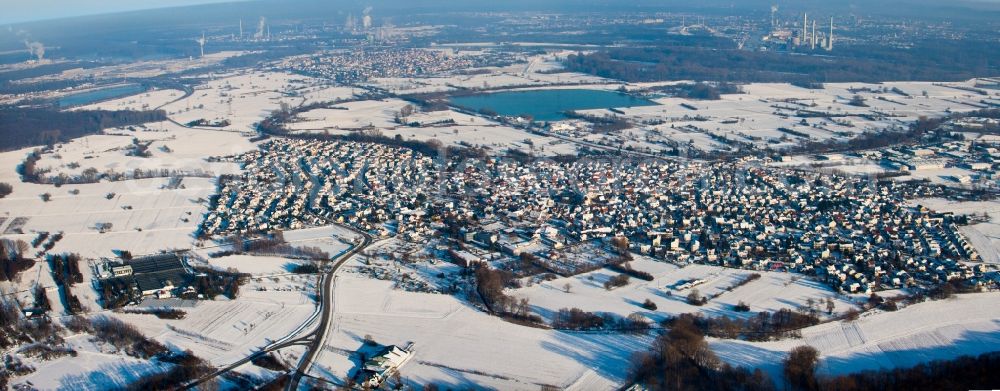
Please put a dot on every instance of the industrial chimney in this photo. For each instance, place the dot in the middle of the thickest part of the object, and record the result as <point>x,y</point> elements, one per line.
<point>829,40</point>
<point>805,29</point>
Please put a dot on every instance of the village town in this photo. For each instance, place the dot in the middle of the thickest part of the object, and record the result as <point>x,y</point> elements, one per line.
<point>858,235</point>
<point>353,66</point>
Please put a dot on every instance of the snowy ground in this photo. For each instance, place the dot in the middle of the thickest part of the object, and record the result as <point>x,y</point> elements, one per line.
<point>937,330</point>
<point>148,216</point>
<point>222,331</point>
<point>91,369</point>
<point>466,129</point>
<point>149,100</point>
<point>773,291</point>
<point>246,98</point>
<point>753,116</point>
<point>331,239</point>
<point>458,346</point>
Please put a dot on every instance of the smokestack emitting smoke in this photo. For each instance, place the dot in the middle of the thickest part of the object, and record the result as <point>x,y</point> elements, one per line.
<point>366,20</point>
<point>201,44</point>
<point>37,49</point>
<point>260,28</point>
<point>774,8</point>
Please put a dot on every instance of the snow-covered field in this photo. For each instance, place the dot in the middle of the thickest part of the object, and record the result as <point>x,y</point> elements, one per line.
<point>753,115</point>
<point>936,330</point>
<point>222,331</point>
<point>773,291</point>
<point>149,100</point>
<point>246,98</point>
<point>460,347</point>
<point>91,369</point>
<point>465,129</point>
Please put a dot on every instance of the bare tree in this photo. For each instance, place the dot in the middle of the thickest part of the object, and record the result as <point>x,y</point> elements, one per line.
<point>800,368</point>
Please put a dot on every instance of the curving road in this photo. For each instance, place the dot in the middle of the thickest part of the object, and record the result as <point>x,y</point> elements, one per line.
<point>313,340</point>
<point>326,312</point>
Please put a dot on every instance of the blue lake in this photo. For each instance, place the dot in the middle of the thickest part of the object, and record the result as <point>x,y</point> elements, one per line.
<point>548,105</point>
<point>93,96</point>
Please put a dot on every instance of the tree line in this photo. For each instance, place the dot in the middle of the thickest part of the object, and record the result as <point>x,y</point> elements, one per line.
<point>24,127</point>
<point>763,327</point>
<point>927,60</point>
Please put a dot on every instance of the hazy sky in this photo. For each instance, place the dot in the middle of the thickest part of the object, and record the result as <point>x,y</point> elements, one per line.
<point>14,11</point>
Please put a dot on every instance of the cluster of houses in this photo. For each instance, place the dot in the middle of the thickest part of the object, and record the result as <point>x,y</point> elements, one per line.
<point>290,184</point>
<point>858,235</point>
<point>362,65</point>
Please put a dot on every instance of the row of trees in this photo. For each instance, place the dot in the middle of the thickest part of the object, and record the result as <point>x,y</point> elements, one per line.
<point>66,268</point>
<point>577,319</point>
<point>763,327</point>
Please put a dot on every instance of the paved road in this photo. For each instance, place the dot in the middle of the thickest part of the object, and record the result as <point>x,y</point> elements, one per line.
<point>326,315</point>
<point>313,340</point>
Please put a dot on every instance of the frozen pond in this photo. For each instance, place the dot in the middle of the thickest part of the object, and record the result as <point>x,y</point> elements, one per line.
<point>98,95</point>
<point>548,105</point>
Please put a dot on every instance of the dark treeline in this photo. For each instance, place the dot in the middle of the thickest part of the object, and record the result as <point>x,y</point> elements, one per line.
<point>127,338</point>
<point>626,268</point>
<point>681,360</point>
<point>963,373</point>
<point>66,268</point>
<point>187,367</point>
<point>929,60</point>
<point>210,283</point>
<point>765,326</point>
<point>577,319</point>
<point>41,86</point>
<point>490,284</point>
<point>601,124</point>
<point>273,244</point>
<point>13,258</point>
<point>66,272</point>
<point>700,90</point>
<point>25,127</point>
